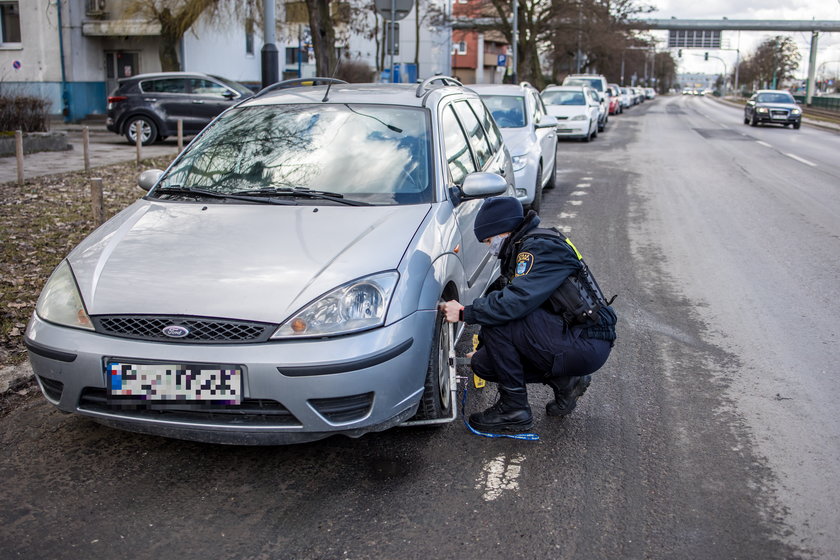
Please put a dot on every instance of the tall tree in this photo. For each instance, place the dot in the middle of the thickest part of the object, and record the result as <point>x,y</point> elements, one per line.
<point>176,17</point>
<point>773,62</point>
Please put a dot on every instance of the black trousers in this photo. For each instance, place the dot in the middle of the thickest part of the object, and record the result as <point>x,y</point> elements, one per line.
<point>537,346</point>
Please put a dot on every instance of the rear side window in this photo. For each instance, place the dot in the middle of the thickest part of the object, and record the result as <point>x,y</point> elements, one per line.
<point>458,156</point>
<point>475,133</point>
<point>164,85</point>
<point>489,124</point>
<point>206,87</point>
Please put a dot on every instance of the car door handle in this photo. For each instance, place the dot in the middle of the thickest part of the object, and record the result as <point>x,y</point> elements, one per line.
<point>198,101</point>
<point>152,99</point>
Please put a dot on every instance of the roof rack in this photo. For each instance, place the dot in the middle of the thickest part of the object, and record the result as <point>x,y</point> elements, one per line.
<point>444,80</point>
<point>298,82</point>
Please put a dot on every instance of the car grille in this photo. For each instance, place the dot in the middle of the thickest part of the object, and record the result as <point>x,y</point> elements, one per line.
<point>260,412</point>
<point>200,329</point>
<point>779,113</point>
<point>343,409</point>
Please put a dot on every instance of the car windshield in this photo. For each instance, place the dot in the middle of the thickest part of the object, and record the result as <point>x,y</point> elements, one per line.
<point>374,154</point>
<point>774,98</point>
<point>591,82</point>
<point>508,110</point>
<point>563,98</point>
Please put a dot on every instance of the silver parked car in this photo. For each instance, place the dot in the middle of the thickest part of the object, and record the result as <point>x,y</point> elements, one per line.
<point>279,281</point>
<point>529,134</point>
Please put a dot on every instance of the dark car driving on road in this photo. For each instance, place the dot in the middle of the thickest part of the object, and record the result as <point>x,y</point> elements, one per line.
<point>772,106</point>
<point>154,103</point>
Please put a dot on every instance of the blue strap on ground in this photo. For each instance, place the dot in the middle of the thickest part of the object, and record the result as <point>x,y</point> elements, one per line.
<point>526,437</point>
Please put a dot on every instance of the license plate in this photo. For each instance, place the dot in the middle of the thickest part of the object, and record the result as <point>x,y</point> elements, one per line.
<point>175,382</point>
<point>779,116</point>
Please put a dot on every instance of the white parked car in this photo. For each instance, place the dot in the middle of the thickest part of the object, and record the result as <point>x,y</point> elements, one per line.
<point>598,83</point>
<point>529,134</point>
<point>576,109</point>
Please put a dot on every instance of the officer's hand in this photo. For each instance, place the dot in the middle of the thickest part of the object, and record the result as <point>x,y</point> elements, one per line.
<point>451,310</point>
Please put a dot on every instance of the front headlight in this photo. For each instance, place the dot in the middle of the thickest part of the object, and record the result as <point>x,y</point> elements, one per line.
<point>762,109</point>
<point>578,118</point>
<point>60,301</point>
<point>355,306</point>
<point>519,162</point>
<point>795,112</point>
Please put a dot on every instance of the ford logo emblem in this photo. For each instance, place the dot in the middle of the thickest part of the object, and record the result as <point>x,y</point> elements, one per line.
<point>176,331</point>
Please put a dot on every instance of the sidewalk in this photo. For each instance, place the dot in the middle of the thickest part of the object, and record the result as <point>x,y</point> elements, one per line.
<point>106,148</point>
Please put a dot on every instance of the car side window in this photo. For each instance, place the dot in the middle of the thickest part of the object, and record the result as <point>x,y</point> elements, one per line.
<point>164,85</point>
<point>539,108</point>
<point>475,133</point>
<point>206,87</point>
<point>457,148</point>
<point>488,122</point>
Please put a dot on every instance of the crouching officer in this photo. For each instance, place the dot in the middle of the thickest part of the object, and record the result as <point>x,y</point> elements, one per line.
<point>544,320</point>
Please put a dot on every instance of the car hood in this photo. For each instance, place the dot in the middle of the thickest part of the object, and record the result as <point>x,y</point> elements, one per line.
<point>518,140</point>
<point>565,110</point>
<point>252,262</point>
<point>787,106</point>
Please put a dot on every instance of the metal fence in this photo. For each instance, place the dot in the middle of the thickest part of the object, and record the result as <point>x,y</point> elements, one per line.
<point>829,103</point>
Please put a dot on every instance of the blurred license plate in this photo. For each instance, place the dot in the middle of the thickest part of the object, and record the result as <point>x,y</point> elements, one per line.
<point>781,116</point>
<point>175,382</point>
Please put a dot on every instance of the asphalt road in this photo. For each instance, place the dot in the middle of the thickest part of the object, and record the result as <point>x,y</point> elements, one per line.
<point>711,432</point>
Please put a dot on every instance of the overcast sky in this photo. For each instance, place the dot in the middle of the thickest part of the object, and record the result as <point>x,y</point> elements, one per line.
<point>829,43</point>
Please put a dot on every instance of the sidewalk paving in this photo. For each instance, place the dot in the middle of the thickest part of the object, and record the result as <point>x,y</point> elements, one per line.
<point>105,148</point>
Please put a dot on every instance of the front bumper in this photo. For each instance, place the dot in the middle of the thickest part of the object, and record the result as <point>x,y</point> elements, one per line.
<point>291,389</point>
<point>573,129</point>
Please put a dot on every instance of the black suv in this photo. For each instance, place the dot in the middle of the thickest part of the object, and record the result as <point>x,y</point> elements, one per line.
<point>155,103</point>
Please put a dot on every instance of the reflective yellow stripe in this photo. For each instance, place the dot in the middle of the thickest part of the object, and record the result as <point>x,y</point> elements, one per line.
<point>572,245</point>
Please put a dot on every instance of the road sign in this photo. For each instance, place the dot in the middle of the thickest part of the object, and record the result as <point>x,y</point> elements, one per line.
<point>694,38</point>
<point>501,60</point>
<point>401,8</point>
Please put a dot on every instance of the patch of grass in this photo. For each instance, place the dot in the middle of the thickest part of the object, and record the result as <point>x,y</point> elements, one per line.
<point>39,224</point>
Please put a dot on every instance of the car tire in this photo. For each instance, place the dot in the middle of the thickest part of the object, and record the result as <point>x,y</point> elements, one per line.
<point>436,401</point>
<point>753,121</point>
<point>536,204</point>
<point>746,120</point>
<point>148,129</point>
<point>796,125</point>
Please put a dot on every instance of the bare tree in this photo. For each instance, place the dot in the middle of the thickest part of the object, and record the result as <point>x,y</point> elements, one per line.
<point>774,61</point>
<point>176,17</point>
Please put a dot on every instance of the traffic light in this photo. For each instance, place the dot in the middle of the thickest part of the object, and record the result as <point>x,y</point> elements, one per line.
<point>707,56</point>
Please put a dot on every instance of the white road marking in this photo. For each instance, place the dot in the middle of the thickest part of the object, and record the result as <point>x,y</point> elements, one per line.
<point>801,160</point>
<point>765,144</point>
<point>586,178</point>
<point>575,202</point>
<point>583,185</point>
<point>499,475</point>
<point>566,215</point>
<point>578,193</point>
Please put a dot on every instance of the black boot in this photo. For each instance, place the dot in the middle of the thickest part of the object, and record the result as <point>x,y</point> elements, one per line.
<point>567,390</point>
<point>510,413</point>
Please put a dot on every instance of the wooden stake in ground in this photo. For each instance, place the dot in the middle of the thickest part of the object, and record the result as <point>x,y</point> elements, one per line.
<point>96,203</point>
<point>19,154</point>
<point>86,147</point>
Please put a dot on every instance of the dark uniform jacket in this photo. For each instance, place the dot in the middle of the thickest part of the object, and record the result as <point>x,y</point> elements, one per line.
<point>532,269</point>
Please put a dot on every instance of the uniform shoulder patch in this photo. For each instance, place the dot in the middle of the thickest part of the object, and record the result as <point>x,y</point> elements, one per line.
<point>524,262</point>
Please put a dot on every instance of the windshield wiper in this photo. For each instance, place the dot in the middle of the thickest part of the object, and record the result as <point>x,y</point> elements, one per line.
<point>303,192</point>
<point>177,189</point>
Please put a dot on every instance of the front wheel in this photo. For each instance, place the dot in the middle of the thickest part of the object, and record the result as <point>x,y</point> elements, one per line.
<point>753,121</point>
<point>796,125</point>
<point>147,130</point>
<point>436,401</point>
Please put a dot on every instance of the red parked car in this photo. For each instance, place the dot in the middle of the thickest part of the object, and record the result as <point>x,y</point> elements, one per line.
<point>614,98</point>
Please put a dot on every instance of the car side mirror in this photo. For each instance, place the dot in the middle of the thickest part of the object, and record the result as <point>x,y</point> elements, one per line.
<point>228,95</point>
<point>482,184</point>
<point>547,121</point>
<point>149,179</point>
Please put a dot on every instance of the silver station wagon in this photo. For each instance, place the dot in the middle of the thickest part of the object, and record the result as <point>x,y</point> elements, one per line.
<point>279,282</point>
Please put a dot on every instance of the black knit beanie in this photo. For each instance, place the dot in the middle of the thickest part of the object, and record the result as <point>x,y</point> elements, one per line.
<point>497,215</point>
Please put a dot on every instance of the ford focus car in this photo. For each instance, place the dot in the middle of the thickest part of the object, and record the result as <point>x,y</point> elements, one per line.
<point>772,106</point>
<point>576,109</point>
<point>279,282</point>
